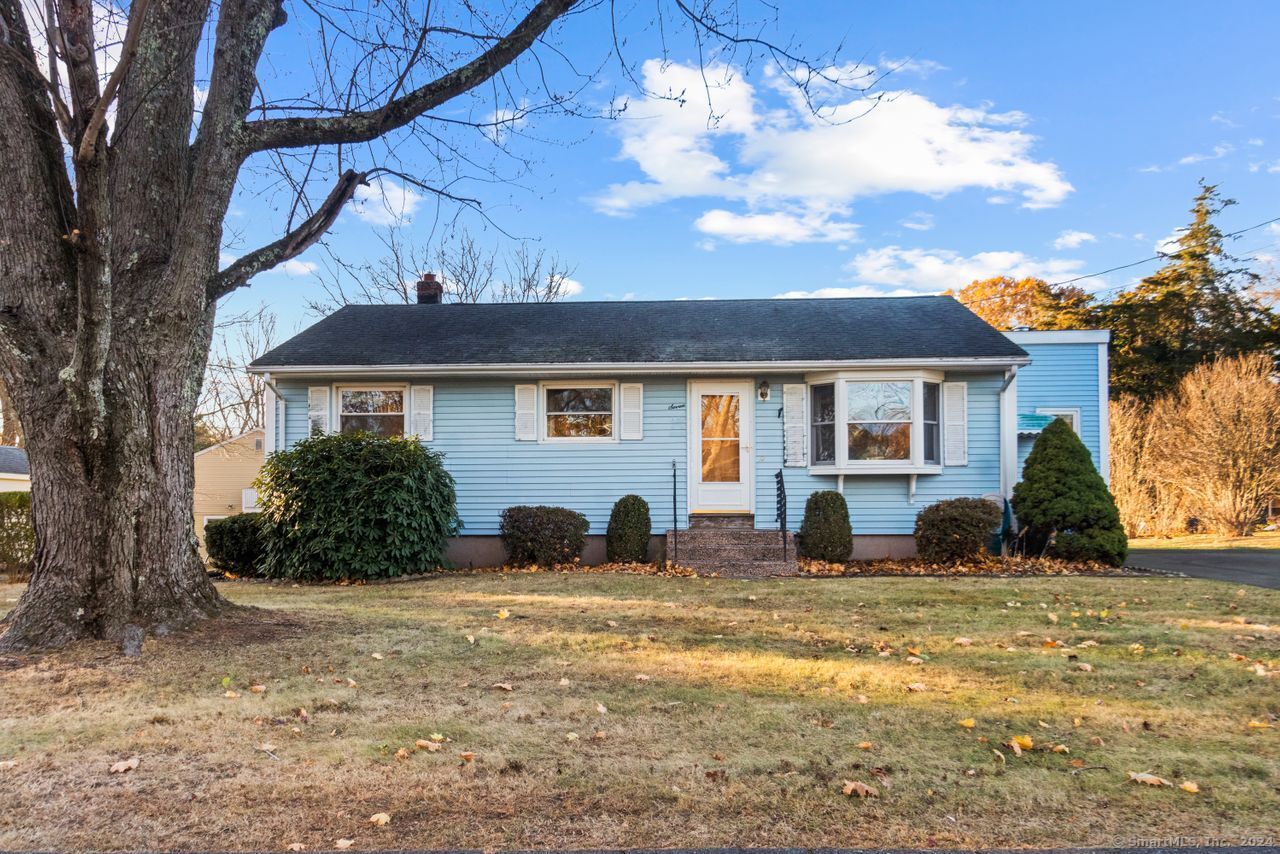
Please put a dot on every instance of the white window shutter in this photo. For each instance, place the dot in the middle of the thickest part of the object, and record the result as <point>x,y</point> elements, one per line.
<point>318,410</point>
<point>526,413</point>
<point>632,411</point>
<point>955,409</point>
<point>795,425</point>
<point>423,400</point>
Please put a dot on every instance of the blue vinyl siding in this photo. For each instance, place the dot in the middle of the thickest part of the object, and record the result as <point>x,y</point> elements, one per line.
<point>474,426</point>
<point>1062,376</point>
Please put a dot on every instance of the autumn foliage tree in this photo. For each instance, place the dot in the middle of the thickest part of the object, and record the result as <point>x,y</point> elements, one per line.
<point>1006,303</point>
<point>117,190</point>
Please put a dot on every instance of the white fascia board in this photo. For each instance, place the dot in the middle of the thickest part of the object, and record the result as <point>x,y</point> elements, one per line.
<point>1059,336</point>
<point>565,369</point>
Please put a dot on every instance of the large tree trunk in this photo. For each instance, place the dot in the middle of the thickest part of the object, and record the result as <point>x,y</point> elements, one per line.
<point>115,554</point>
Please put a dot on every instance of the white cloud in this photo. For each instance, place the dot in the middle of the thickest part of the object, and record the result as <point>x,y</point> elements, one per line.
<point>505,120</point>
<point>777,227</point>
<point>1219,151</point>
<point>384,201</point>
<point>1255,141</point>
<point>1169,244</point>
<point>570,287</point>
<point>852,291</point>
<point>911,65</point>
<point>1221,118</point>
<point>1073,239</point>
<point>767,151</point>
<point>935,270</point>
<point>918,221</point>
<point>294,267</point>
<point>225,259</point>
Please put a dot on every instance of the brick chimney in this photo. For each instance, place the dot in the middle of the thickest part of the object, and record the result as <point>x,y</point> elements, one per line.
<point>430,291</point>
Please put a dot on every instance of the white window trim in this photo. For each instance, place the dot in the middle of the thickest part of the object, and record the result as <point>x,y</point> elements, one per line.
<point>204,526</point>
<point>616,412</point>
<point>1057,411</point>
<point>335,402</point>
<point>915,464</point>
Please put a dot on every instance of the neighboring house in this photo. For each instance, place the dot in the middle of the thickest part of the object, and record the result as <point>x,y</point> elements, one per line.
<point>15,475</point>
<point>224,475</point>
<point>694,405</point>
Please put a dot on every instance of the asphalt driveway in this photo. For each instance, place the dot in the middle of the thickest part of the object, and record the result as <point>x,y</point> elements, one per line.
<point>1259,567</point>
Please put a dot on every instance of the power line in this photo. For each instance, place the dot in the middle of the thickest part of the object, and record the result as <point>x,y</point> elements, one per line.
<point>1157,257</point>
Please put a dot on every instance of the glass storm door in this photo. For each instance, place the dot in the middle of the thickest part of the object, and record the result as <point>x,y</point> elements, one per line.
<point>720,455</point>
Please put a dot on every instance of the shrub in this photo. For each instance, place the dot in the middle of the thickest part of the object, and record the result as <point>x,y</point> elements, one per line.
<point>17,535</point>
<point>355,506</point>
<point>1063,504</point>
<point>955,529</point>
<point>627,537</point>
<point>544,536</point>
<point>825,533</point>
<point>234,544</point>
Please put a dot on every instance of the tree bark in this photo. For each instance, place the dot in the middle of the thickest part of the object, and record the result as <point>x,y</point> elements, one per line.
<point>116,552</point>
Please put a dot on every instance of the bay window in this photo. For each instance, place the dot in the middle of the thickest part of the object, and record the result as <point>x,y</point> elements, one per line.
<point>876,421</point>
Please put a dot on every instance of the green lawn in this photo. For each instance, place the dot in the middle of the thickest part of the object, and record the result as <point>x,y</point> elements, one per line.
<point>590,711</point>
<point>1263,540</point>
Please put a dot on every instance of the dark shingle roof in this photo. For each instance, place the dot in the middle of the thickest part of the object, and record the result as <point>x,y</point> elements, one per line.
<point>759,330</point>
<point>13,460</point>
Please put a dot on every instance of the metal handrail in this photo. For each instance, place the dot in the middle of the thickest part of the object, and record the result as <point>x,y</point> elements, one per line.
<point>675,519</point>
<point>782,511</point>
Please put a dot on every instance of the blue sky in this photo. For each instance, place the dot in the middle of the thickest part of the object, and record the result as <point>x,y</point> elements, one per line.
<point>1044,139</point>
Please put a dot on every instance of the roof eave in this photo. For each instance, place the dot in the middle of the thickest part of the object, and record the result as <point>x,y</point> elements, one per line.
<point>552,369</point>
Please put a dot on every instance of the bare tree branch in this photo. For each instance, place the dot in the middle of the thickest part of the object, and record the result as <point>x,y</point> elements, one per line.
<point>89,139</point>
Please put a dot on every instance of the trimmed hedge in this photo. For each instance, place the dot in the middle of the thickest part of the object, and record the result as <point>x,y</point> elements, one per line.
<point>1063,504</point>
<point>355,506</point>
<point>955,529</point>
<point>627,537</point>
<point>17,534</point>
<point>826,533</point>
<point>543,536</point>
<point>235,544</point>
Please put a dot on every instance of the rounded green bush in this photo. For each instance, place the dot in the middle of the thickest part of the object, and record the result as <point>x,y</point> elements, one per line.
<point>542,536</point>
<point>234,544</point>
<point>355,506</point>
<point>1063,504</point>
<point>627,537</point>
<point>825,533</point>
<point>955,529</point>
<point>17,535</point>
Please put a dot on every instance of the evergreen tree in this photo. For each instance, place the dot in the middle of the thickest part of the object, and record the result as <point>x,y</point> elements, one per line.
<point>1198,307</point>
<point>1064,501</point>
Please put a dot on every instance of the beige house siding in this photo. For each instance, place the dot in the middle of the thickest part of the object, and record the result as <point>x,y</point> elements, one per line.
<point>223,472</point>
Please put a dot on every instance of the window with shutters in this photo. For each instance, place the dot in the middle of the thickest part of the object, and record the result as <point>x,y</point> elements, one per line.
<point>372,409</point>
<point>883,422</point>
<point>579,412</point>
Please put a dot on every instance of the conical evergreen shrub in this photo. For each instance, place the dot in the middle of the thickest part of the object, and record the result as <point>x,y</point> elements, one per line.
<point>1063,498</point>
<point>626,539</point>
<point>826,533</point>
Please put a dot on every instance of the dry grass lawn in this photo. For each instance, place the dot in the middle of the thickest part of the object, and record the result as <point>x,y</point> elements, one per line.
<point>1262,540</point>
<point>659,712</point>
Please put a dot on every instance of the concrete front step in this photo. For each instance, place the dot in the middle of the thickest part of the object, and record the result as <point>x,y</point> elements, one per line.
<point>697,551</point>
<point>736,521</point>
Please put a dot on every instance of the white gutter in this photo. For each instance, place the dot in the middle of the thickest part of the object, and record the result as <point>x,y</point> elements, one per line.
<point>565,369</point>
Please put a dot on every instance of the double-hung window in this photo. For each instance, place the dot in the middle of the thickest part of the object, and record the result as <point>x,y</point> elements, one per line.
<point>373,410</point>
<point>583,412</point>
<point>822,401</point>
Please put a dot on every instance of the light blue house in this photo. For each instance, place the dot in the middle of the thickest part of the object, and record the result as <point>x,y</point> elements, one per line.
<point>704,408</point>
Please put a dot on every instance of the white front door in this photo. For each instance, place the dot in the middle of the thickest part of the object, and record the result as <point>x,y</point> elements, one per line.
<point>721,435</point>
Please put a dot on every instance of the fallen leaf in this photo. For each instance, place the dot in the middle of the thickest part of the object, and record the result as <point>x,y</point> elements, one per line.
<point>968,723</point>
<point>601,709</point>
<point>502,614</point>
<point>999,756</point>
<point>379,819</point>
<point>1061,748</point>
<point>502,686</point>
<point>436,737</point>
<point>1261,725</point>
<point>643,677</point>
<point>862,790</point>
<point>257,689</point>
<point>1189,786</point>
<point>377,656</point>
<point>295,846</point>
<point>865,745</point>
<point>862,698</point>
<point>8,764</point>
<point>125,765</point>
<point>1023,741</point>
<point>1148,779</point>
<point>1083,666</point>
<point>564,681</point>
<point>471,639</point>
<point>402,754</point>
<point>1077,763</point>
<point>962,642</point>
<point>916,687</point>
<point>468,756</point>
<point>343,844</point>
<point>911,659</point>
<point>231,695</point>
<point>570,736</point>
